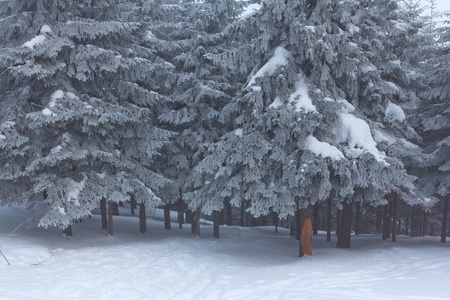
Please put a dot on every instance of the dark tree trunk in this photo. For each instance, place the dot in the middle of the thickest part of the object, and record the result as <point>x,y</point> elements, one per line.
<point>445,220</point>
<point>167,224</point>
<point>133,204</point>
<point>406,225</point>
<point>338,221</point>
<point>275,221</point>
<point>216,217</point>
<point>229,214</point>
<point>424,229</point>
<point>394,217</point>
<point>298,223</point>
<point>103,214</point>
<point>115,208</point>
<point>316,219</point>
<point>242,215</point>
<point>222,217</point>
<point>345,231</point>
<point>110,218</point>
<point>329,220</point>
<point>142,219</point>
<point>189,216</point>
<point>379,220</point>
<point>357,217</point>
<point>386,230</point>
<point>413,222</point>
<point>121,204</point>
<point>68,231</point>
<point>197,215</point>
<point>305,245</point>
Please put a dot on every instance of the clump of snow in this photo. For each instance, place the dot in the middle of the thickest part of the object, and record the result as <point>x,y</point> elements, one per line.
<point>323,149</point>
<point>35,41</point>
<point>250,10</point>
<point>70,95</point>
<point>277,60</point>
<point>2,137</point>
<point>45,29</point>
<point>48,112</point>
<point>276,103</point>
<point>394,112</point>
<point>356,133</point>
<point>58,94</point>
<point>238,132</point>
<point>61,210</point>
<point>347,107</point>
<point>55,150</point>
<point>300,98</point>
<point>73,191</point>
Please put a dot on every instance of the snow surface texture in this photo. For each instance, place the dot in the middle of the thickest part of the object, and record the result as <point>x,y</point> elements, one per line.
<point>245,263</point>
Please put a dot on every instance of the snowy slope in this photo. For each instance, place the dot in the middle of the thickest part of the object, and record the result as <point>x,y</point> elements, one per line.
<point>245,263</point>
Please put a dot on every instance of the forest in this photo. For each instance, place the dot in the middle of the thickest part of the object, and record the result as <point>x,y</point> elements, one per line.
<point>308,114</point>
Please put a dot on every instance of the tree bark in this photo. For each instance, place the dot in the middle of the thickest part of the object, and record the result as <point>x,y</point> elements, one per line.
<point>68,231</point>
<point>103,214</point>
<point>133,204</point>
<point>357,217</point>
<point>275,221</point>
<point>316,218</point>
<point>329,220</point>
<point>379,220</point>
<point>424,229</point>
<point>305,243</point>
<point>345,231</point>
<point>222,216</point>
<point>394,217</point>
<point>242,215</point>
<point>413,222</point>
<point>229,214</point>
<point>445,220</point>
<point>167,224</point>
<point>386,230</point>
<point>197,215</point>
<point>406,225</point>
<point>142,218</point>
<point>298,223</point>
<point>216,218</point>
<point>338,221</point>
<point>110,218</point>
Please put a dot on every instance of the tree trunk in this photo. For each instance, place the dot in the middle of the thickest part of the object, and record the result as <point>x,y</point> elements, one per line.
<point>379,220</point>
<point>115,208</point>
<point>386,230</point>
<point>345,231</point>
<point>167,224</point>
<point>329,220</point>
<point>216,217</point>
<point>189,216</point>
<point>424,229</point>
<point>413,222</point>
<point>406,225</point>
<point>222,217</point>
<point>394,217</point>
<point>242,214</point>
<point>316,218</point>
<point>298,223</point>
<point>357,217</point>
<point>197,215</point>
<point>305,244</point>
<point>67,232</point>
<point>110,218</point>
<point>142,219</point>
<point>103,214</point>
<point>133,204</point>
<point>275,221</point>
<point>229,214</point>
<point>445,220</point>
<point>338,221</point>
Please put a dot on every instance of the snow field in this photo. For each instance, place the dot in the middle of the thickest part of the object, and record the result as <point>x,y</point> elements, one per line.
<point>245,263</point>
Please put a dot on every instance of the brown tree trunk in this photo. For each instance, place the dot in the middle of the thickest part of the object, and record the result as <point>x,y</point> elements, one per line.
<point>110,218</point>
<point>142,218</point>
<point>298,223</point>
<point>345,231</point>
<point>103,214</point>
<point>445,220</point>
<point>357,217</point>
<point>305,244</point>
<point>316,218</point>
<point>329,220</point>
<point>67,232</point>
<point>167,224</point>
<point>216,218</point>
<point>394,217</point>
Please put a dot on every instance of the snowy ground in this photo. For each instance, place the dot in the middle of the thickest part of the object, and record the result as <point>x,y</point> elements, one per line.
<point>245,263</point>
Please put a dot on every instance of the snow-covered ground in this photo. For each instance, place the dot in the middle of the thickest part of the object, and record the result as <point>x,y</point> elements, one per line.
<point>245,263</point>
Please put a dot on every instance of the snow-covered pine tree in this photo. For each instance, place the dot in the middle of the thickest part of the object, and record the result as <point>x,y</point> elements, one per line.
<point>87,106</point>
